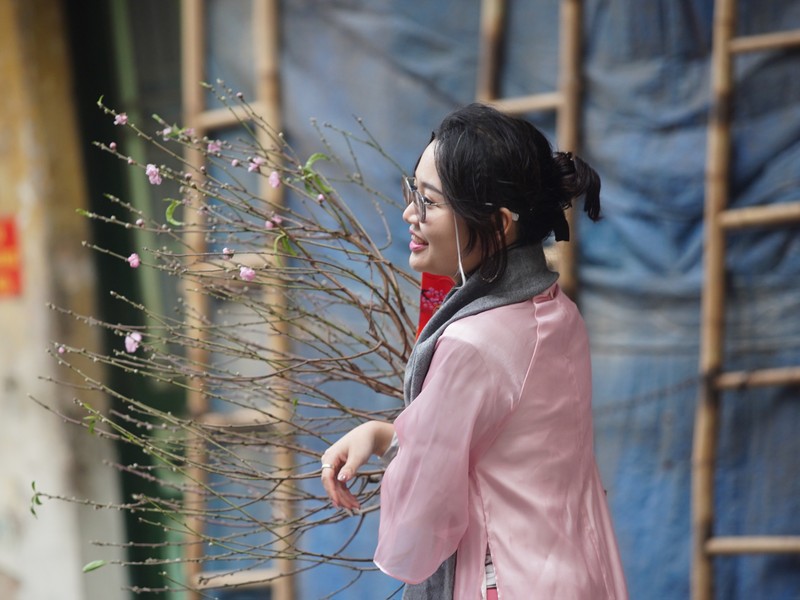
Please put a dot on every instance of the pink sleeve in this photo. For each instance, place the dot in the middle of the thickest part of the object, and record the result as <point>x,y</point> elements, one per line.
<point>424,492</point>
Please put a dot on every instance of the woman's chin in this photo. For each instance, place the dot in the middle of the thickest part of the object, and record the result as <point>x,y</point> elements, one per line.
<point>416,264</point>
<point>421,266</point>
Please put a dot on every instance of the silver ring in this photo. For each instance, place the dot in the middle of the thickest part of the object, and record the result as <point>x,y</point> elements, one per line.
<point>325,466</point>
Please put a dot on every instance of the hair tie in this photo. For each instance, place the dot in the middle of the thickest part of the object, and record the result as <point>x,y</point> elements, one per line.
<point>565,162</point>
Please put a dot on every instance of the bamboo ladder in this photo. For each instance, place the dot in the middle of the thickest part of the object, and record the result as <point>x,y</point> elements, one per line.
<point>265,22</point>
<point>718,221</point>
<point>565,101</point>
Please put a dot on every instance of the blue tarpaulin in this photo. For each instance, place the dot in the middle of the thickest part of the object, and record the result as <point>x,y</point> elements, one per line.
<point>402,65</point>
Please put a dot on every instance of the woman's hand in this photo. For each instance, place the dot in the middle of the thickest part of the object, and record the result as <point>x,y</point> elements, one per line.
<point>341,461</point>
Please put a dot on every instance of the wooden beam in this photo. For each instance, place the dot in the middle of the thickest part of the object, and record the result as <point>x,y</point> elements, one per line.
<point>492,29</point>
<point>759,544</point>
<point>192,73</point>
<point>735,380</point>
<point>568,125</point>
<point>767,41</point>
<point>252,579</point>
<point>267,41</point>
<point>760,216</point>
<point>219,118</point>
<point>527,104</point>
<point>704,450</point>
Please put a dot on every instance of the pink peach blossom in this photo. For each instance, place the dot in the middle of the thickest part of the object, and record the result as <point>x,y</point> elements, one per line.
<point>247,274</point>
<point>121,119</point>
<point>134,261</point>
<point>255,164</point>
<point>153,174</point>
<point>214,146</point>
<point>274,179</point>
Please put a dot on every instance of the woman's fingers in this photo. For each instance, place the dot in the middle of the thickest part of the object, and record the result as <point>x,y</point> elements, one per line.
<point>341,462</point>
<point>337,490</point>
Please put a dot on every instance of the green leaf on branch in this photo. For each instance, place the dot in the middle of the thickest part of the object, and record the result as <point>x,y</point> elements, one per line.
<point>94,565</point>
<point>35,499</point>
<point>170,214</point>
<point>313,181</point>
<point>91,420</point>
<point>314,158</point>
<point>285,243</point>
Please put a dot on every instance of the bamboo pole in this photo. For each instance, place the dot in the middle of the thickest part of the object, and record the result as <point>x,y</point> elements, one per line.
<point>736,380</point>
<point>492,27</point>
<point>219,118</point>
<point>767,41</point>
<point>760,216</point>
<point>565,101</point>
<point>569,85</point>
<point>713,306</point>
<point>526,104</point>
<point>192,49</point>
<point>240,580</point>
<point>756,544</point>
<point>266,35</point>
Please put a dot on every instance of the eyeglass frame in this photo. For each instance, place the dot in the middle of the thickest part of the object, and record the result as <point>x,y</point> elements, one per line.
<point>421,203</point>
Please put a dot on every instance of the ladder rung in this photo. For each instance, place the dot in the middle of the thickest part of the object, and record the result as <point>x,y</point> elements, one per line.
<point>525,104</point>
<point>767,41</point>
<point>758,378</point>
<point>755,544</point>
<point>217,118</point>
<point>241,418</point>
<point>255,578</point>
<point>753,216</point>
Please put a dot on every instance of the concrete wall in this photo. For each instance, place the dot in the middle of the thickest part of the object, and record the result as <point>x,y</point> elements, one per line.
<point>41,185</point>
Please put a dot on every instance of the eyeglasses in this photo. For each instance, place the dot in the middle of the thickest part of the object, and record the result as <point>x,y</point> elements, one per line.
<point>421,203</point>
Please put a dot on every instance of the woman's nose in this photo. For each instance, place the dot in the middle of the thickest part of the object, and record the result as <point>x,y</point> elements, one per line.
<point>410,214</point>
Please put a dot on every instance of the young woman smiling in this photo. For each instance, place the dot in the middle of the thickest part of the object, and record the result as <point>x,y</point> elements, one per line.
<point>491,489</point>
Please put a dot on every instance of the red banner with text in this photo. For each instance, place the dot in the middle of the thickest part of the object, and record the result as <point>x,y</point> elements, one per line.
<point>10,268</point>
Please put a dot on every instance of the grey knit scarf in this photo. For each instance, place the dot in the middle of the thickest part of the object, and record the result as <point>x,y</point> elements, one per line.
<point>526,276</point>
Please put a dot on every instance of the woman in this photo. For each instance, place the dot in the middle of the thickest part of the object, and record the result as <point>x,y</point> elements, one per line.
<point>492,490</point>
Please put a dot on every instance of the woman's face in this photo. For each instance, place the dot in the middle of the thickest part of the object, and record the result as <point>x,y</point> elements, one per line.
<point>433,243</point>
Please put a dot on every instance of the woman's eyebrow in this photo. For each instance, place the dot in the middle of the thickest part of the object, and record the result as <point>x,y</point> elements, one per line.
<point>428,186</point>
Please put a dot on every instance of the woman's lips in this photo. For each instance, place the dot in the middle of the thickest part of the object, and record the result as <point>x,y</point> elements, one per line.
<point>416,244</point>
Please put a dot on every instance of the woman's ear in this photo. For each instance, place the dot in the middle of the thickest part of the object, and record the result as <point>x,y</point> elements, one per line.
<point>509,225</point>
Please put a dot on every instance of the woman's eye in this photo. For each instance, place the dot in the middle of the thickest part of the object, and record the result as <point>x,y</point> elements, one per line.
<point>427,201</point>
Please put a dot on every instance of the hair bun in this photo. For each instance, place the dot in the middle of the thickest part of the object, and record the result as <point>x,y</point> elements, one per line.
<point>579,179</point>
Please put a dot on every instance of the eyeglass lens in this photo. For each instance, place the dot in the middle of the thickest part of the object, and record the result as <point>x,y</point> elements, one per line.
<point>412,195</point>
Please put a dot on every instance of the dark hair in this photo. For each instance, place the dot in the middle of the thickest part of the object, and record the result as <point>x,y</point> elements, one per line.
<point>487,160</point>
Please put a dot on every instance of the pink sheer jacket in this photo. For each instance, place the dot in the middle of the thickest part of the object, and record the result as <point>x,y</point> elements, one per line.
<point>496,453</point>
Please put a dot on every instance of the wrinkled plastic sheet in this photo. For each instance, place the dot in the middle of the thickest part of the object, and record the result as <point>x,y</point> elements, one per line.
<point>400,66</point>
